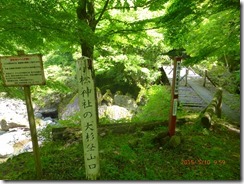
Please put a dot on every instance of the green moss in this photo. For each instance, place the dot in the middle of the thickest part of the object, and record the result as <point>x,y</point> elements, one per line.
<point>174,141</point>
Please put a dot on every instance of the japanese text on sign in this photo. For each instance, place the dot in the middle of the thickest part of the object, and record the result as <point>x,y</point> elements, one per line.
<point>88,118</point>
<point>177,78</point>
<point>22,70</point>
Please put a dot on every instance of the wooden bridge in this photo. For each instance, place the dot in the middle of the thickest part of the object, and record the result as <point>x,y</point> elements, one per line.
<point>193,96</point>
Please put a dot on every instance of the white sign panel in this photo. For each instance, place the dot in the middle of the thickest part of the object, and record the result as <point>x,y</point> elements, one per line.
<point>88,109</point>
<point>22,70</point>
<point>175,107</point>
<point>177,78</point>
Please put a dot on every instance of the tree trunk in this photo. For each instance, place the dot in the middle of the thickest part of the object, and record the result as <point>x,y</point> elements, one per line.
<point>87,91</point>
<point>213,108</point>
<point>66,133</point>
<point>164,79</point>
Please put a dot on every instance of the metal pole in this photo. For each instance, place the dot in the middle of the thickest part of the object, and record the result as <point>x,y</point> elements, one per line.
<point>33,131</point>
<point>174,96</point>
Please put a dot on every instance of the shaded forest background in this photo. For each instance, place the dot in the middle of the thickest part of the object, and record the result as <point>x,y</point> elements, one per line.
<point>127,39</point>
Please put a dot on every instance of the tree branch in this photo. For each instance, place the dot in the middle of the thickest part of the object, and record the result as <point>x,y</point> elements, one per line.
<point>133,30</point>
<point>102,12</point>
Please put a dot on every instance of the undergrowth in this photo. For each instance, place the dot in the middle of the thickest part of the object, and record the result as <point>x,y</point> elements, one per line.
<point>202,155</point>
<point>157,105</point>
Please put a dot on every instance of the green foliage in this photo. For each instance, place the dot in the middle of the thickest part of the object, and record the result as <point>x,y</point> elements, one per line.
<point>157,105</point>
<point>123,73</point>
<point>60,58</point>
<point>12,92</point>
<point>221,76</point>
<point>206,29</point>
<point>60,82</point>
<point>222,32</point>
<point>225,79</point>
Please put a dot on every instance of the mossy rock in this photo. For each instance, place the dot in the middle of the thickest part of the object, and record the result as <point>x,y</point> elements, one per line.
<point>161,139</point>
<point>135,143</point>
<point>174,141</point>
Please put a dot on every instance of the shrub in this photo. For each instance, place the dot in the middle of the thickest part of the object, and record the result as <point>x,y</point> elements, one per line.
<point>157,105</point>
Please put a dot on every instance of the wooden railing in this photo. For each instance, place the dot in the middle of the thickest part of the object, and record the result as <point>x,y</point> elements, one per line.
<point>214,108</point>
<point>207,77</point>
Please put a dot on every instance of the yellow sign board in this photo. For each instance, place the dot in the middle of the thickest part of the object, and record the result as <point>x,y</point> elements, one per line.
<point>22,70</point>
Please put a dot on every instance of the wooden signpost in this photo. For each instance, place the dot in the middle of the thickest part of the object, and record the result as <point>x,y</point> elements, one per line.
<point>25,70</point>
<point>174,95</point>
<point>22,70</point>
<point>89,117</point>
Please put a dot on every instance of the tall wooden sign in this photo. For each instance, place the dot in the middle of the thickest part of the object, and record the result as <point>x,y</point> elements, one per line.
<point>174,95</point>
<point>89,117</point>
<point>25,70</point>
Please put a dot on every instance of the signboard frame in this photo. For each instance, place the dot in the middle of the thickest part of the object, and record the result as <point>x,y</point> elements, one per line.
<point>27,93</point>
<point>34,67</point>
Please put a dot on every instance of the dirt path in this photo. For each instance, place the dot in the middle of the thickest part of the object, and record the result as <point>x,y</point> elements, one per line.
<point>195,97</point>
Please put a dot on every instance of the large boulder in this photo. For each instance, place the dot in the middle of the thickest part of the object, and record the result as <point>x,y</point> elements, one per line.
<point>6,150</point>
<point>71,108</point>
<point>116,112</point>
<point>9,140</point>
<point>3,125</point>
<point>102,111</point>
<point>174,141</point>
<point>13,114</point>
<point>125,101</point>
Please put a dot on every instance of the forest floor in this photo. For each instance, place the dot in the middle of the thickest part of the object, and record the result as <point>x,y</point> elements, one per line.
<point>210,155</point>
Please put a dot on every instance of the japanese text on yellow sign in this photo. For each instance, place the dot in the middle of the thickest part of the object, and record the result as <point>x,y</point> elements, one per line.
<point>22,70</point>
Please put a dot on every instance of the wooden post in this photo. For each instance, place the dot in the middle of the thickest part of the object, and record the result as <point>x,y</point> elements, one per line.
<point>219,95</point>
<point>25,70</point>
<point>205,76</point>
<point>174,95</point>
<point>33,131</point>
<point>89,116</point>
<point>213,108</point>
<point>32,125</point>
<point>187,71</point>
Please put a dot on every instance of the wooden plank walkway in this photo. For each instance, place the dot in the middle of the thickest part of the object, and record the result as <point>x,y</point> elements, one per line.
<point>195,97</point>
<point>188,98</point>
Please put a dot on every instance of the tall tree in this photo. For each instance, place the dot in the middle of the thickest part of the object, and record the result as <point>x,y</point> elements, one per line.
<point>205,29</point>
